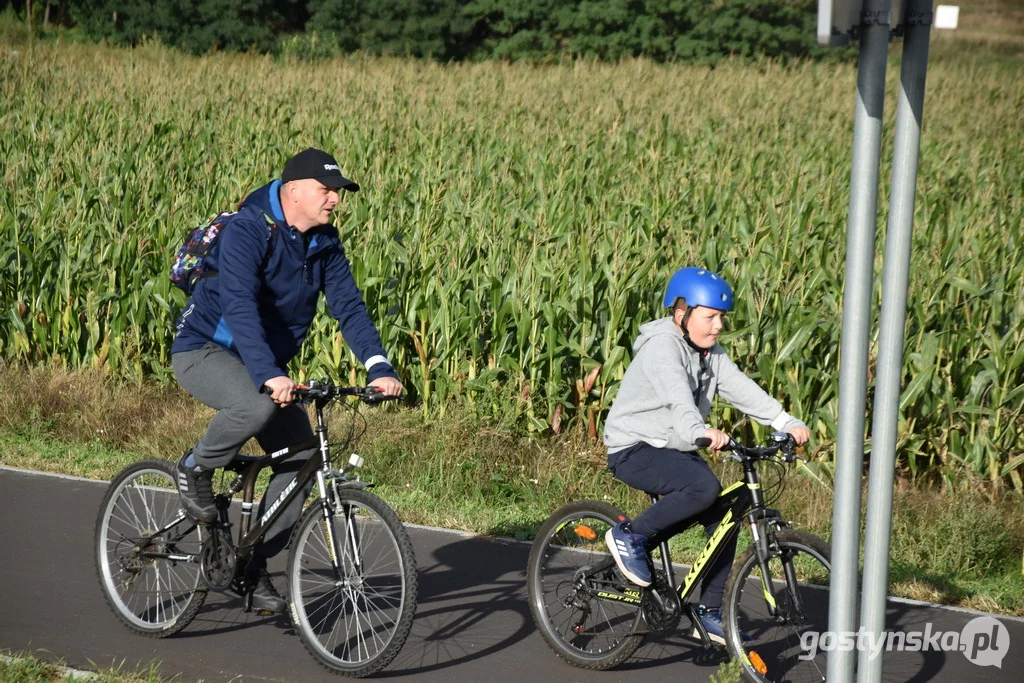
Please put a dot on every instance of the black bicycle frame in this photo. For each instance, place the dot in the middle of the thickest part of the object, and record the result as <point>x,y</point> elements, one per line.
<point>248,469</point>
<point>742,499</point>
<point>249,532</point>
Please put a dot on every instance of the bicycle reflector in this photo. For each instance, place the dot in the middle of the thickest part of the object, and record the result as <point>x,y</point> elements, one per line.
<point>757,662</point>
<point>586,533</point>
<point>355,460</point>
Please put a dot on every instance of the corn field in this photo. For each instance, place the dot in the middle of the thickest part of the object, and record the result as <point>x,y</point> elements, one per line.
<point>517,223</point>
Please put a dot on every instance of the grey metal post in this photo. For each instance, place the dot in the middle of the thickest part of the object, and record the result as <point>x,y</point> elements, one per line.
<point>885,422</point>
<point>860,252</point>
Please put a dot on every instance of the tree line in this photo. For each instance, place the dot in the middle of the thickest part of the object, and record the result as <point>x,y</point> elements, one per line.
<point>448,30</point>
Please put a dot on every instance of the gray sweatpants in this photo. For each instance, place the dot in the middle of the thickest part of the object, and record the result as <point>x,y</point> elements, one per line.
<point>217,378</point>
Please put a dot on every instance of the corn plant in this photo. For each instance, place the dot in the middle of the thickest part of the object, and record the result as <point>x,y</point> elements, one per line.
<point>518,223</point>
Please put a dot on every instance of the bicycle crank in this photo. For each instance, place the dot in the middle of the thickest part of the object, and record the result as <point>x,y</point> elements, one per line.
<point>217,560</point>
<point>661,607</point>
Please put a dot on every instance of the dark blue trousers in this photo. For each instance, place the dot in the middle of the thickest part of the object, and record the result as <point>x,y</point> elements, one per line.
<point>687,488</point>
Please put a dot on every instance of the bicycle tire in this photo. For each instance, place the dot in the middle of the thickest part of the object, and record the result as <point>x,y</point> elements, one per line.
<point>774,651</point>
<point>152,597</point>
<point>374,606</point>
<point>571,539</point>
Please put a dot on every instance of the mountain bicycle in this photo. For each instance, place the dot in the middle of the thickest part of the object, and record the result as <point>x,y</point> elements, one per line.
<point>351,571</point>
<point>594,618</point>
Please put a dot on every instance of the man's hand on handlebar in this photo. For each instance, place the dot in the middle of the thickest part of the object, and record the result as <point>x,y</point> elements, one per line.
<point>281,389</point>
<point>389,386</point>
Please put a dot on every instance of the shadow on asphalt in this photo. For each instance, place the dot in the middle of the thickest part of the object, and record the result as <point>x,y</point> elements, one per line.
<point>468,591</point>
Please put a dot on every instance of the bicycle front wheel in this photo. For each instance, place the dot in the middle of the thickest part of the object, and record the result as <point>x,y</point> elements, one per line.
<point>774,648</point>
<point>583,607</point>
<point>353,619</point>
<point>141,551</point>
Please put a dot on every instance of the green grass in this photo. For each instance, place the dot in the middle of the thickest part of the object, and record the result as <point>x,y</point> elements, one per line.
<point>958,546</point>
<point>37,667</point>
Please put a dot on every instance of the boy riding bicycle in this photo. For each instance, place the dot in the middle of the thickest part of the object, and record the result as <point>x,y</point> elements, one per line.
<point>660,412</point>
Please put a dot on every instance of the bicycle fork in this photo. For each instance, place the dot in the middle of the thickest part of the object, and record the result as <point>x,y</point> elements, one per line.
<point>759,532</point>
<point>349,546</point>
<point>764,543</point>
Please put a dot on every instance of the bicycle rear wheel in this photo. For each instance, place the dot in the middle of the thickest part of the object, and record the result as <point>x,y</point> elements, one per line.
<point>150,593</point>
<point>591,620</point>
<point>354,621</point>
<point>774,651</point>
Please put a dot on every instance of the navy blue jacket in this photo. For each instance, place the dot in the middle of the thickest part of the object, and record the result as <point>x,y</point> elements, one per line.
<point>260,307</point>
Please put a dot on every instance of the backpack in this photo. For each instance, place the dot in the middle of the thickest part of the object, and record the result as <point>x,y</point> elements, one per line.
<point>189,264</point>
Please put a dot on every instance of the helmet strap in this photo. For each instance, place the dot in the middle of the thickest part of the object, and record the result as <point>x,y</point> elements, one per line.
<point>686,335</point>
<point>682,323</point>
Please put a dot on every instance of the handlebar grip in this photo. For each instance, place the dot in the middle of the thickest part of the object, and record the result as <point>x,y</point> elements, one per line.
<point>378,397</point>
<point>702,442</point>
<point>298,388</point>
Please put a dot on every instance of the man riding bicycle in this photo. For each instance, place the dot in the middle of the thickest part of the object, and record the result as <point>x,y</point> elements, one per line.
<point>247,318</point>
<point>661,410</point>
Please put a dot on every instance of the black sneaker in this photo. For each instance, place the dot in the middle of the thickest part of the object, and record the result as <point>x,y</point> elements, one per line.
<point>195,486</point>
<point>265,597</point>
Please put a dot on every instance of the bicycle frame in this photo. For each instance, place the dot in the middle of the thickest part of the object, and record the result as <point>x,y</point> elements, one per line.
<point>248,468</point>
<point>250,531</point>
<point>743,499</point>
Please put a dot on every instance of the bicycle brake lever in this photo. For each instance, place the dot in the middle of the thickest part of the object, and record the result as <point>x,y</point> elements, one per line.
<point>377,398</point>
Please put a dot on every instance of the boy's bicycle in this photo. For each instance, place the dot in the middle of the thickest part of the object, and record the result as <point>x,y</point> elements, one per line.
<point>351,572</point>
<point>594,618</point>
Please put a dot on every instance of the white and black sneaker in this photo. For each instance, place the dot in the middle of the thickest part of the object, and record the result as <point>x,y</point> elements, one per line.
<point>195,486</point>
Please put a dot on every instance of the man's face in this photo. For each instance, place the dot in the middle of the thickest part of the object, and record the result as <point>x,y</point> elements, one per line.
<point>312,202</point>
<point>704,325</point>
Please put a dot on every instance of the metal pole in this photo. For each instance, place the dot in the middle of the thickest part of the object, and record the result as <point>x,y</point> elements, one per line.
<point>891,332</point>
<point>860,252</point>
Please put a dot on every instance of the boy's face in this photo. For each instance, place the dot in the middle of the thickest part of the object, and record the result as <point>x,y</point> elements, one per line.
<point>704,325</point>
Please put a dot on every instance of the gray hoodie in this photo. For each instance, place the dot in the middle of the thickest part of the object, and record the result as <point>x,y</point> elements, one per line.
<point>655,403</point>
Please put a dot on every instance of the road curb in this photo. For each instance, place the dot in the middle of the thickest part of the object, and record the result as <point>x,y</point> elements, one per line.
<point>65,671</point>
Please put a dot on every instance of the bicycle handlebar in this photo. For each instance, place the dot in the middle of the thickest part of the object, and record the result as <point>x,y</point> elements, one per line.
<point>314,391</point>
<point>780,441</point>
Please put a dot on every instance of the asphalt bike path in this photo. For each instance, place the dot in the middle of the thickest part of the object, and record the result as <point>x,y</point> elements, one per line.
<point>473,622</point>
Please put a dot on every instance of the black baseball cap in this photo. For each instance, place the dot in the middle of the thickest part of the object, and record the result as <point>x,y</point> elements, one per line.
<point>319,165</point>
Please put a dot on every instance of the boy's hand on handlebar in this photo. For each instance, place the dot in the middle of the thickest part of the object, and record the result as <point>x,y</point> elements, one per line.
<point>281,389</point>
<point>718,438</point>
<point>389,386</point>
<point>800,435</point>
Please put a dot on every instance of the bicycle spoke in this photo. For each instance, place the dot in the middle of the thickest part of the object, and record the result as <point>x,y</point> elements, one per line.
<point>350,620</point>
<point>149,594</point>
<point>777,640</point>
<point>581,626</point>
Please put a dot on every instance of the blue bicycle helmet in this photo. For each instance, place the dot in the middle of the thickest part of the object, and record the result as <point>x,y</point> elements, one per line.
<point>699,287</point>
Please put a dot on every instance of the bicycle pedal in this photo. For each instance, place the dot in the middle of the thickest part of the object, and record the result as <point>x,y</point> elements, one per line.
<point>264,613</point>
